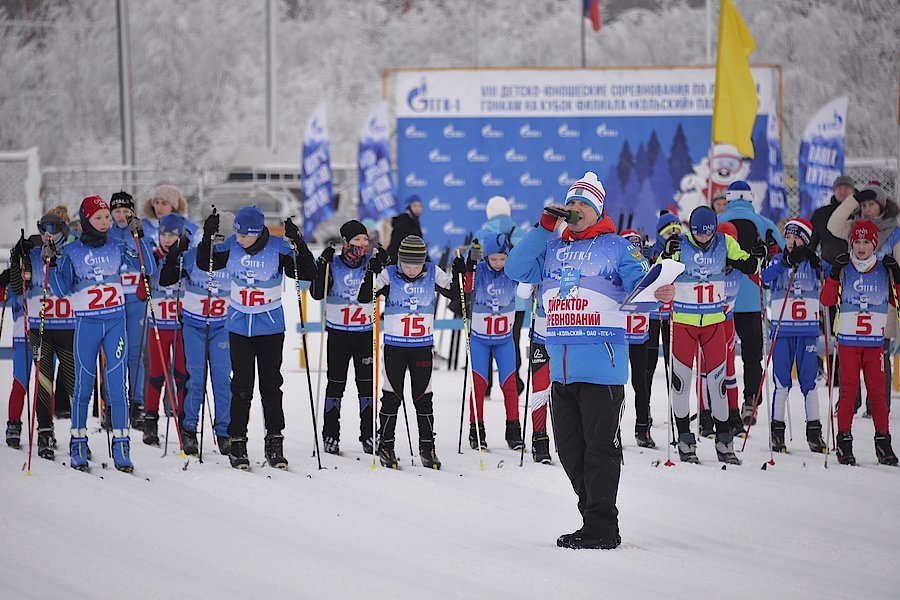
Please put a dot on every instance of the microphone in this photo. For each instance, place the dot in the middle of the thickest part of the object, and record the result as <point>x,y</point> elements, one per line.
<point>570,216</point>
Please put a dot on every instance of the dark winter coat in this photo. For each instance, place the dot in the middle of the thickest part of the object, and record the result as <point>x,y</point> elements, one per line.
<point>832,246</point>
<point>402,225</point>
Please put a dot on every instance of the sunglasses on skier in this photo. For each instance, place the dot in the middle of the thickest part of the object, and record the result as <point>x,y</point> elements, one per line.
<point>50,228</point>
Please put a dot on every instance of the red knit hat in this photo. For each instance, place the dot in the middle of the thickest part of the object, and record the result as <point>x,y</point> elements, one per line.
<point>802,228</point>
<point>91,205</point>
<point>864,230</point>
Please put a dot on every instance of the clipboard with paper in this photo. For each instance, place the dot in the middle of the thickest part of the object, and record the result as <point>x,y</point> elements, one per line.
<point>642,298</point>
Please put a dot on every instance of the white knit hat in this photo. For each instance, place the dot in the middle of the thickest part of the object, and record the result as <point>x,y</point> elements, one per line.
<point>588,189</point>
<point>498,205</point>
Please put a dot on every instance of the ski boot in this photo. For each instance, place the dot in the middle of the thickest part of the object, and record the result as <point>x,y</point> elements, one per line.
<point>687,448</point>
<point>368,445</point>
<point>778,437</point>
<point>747,416</point>
<point>428,456</point>
<point>79,453</point>
<point>814,437</point>
<point>386,455</point>
<point>642,436</point>
<point>237,453</point>
<point>46,443</point>
<point>14,434</point>
<point>845,449</point>
<point>189,443</point>
<point>331,445</point>
<point>513,436</point>
<point>725,451</point>
<point>883,450</point>
<point>151,435</point>
<point>475,435</point>
<point>579,540</point>
<point>224,444</point>
<point>121,448</point>
<point>540,447</point>
<point>735,425</point>
<point>707,429</point>
<point>275,451</point>
<point>136,414</point>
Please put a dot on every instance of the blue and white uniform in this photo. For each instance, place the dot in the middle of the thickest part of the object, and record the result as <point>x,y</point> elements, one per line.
<point>135,316</point>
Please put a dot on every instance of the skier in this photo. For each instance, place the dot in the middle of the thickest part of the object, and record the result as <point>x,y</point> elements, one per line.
<point>89,270</point>
<point>698,317</point>
<point>21,358</point>
<point>256,262</point>
<point>539,368</point>
<point>733,279</point>
<point>349,326</point>
<point>409,290</point>
<point>492,314</point>
<point>862,289</point>
<point>56,342</point>
<point>798,335</point>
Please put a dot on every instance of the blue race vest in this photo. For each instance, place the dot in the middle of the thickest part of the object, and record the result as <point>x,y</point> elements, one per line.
<point>255,279</point>
<point>58,311</point>
<point>864,305</point>
<point>409,309</point>
<point>801,315</point>
<point>494,304</point>
<point>700,289</point>
<point>342,311</point>
<point>97,286</point>
<point>197,305</point>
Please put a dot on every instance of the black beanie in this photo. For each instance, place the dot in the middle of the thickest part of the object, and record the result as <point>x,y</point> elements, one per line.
<point>351,229</point>
<point>121,200</point>
<point>412,251</point>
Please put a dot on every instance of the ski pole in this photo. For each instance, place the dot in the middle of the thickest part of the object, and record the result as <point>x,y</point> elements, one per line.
<point>37,359</point>
<point>206,309</point>
<point>132,390</point>
<point>28,353</point>
<point>669,376</point>
<point>322,337</point>
<point>104,398</point>
<point>472,408</point>
<point>176,334</point>
<point>412,457</point>
<point>766,369</point>
<point>829,366</point>
<point>528,381</point>
<point>312,407</point>
<point>375,365</point>
<point>162,359</point>
<point>763,314</point>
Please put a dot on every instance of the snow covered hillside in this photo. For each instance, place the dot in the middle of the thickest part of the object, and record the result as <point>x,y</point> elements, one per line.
<point>795,530</point>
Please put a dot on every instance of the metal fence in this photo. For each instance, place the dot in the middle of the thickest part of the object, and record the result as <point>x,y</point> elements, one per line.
<point>862,171</point>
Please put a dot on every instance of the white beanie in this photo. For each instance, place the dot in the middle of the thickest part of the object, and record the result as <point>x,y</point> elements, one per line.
<point>588,189</point>
<point>497,206</point>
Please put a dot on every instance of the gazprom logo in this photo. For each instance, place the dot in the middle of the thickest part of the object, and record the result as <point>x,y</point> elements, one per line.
<point>564,254</point>
<point>603,132</point>
<point>833,126</point>
<point>411,288</point>
<point>352,281</point>
<point>90,259</point>
<point>436,156</point>
<point>473,204</point>
<point>512,156</point>
<point>490,181</point>
<point>413,181</point>
<point>450,228</point>
<point>452,133</point>
<point>525,131</point>
<point>412,133</point>
<point>860,286</point>
<point>527,180</point>
<point>316,128</point>
<point>489,133</point>
<point>588,155</point>
<point>419,101</point>
<point>515,204</point>
<point>376,127</point>
<point>550,155</point>
<point>474,156</point>
<point>548,201</point>
<point>437,205</point>
<point>450,180</point>
<point>564,179</point>
<point>248,263</point>
<point>565,131</point>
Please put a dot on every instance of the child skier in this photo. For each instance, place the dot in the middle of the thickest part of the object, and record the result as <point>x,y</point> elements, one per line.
<point>637,334</point>
<point>493,309</point>
<point>862,288</point>
<point>409,290</point>
<point>666,226</point>
<point>89,270</point>
<point>56,342</point>
<point>539,367</point>
<point>21,362</point>
<point>798,335</point>
<point>256,262</point>
<point>733,279</point>
<point>698,316</point>
<point>349,326</point>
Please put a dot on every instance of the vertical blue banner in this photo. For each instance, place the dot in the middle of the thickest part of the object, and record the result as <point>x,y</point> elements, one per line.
<point>377,193</point>
<point>822,154</point>
<point>775,205</point>
<point>318,201</point>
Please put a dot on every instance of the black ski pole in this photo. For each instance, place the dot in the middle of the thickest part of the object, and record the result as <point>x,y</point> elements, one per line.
<point>207,308</point>
<point>28,353</point>
<point>528,382</point>
<point>135,380</point>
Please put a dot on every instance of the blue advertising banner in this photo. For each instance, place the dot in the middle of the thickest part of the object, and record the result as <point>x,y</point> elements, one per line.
<point>377,193</point>
<point>821,157</point>
<point>318,201</point>
<point>466,135</point>
<point>775,205</point>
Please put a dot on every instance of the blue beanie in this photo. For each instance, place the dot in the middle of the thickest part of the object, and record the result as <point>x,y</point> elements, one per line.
<point>411,199</point>
<point>495,243</point>
<point>703,221</point>
<point>171,223</point>
<point>665,221</point>
<point>249,221</point>
<point>739,190</point>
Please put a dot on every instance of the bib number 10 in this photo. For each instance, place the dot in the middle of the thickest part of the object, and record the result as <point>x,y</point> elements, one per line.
<point>498,325</point>
<point>413,326</point>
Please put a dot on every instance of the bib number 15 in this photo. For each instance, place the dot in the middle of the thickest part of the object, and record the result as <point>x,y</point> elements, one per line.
<point>413,326</point>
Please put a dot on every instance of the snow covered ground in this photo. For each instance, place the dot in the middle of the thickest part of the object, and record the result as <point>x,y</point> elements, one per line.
<point>795,530</point>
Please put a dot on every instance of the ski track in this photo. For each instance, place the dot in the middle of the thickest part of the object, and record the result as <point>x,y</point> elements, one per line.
<point>793,530</point>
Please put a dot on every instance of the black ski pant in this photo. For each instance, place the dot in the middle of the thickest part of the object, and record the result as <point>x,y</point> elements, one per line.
<point>638,356</point>
<point>344,346</point>
<point>58,344</point>
<point>748,327</point>
<point>656,328</point>
<point>397,361</point>
<point>586,426</point>
<point>262,352</point>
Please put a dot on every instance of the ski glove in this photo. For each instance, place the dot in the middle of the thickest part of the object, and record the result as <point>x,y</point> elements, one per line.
<point>460,266</point>
<point>837,266</point>
<point>475,252</point>
<point>890,263</point>
<point>176,249</point>
<point>4,279</point>
<point>21,249</point>
<point>759,250</point>
<point>292,232</point>
<point>377,262</point>
<point>798,255</point>
<point>672,246</point>
<point>136,227</point>
<point>211,225</point>
<point>327,255</point>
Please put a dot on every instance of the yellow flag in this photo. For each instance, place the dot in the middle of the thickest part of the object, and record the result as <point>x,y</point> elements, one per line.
<point>735,103</point>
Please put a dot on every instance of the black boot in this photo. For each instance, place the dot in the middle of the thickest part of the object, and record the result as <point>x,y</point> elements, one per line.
<point>814,437</point>
<point>642,436</point>
<point>883,449</point>
<point>579,540</point>
<point>428,456</point>
<point>725,448</point>
<point>514,436</point>
<point>136,414</point>
<point>14,434</point>
<point>189,442</point>
<point>46,441</point>
<point>707,428</point>
<point>735,425</point>
<point>845,449</point>
<point>540,447</point>
<point>778,437</point>
<point>151,435</point>
<point>237,454</point>
<point>476,437</point>
<point>224,444</point>
<point>687,448</point>
<point>747,416</point>
<point>386,455</point>
<point>275,451</point>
